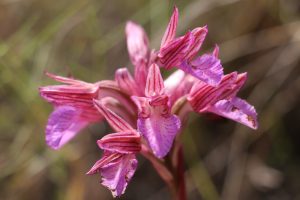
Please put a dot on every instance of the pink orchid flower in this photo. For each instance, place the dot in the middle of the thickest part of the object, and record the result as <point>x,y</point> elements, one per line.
<point>155,122</point>
<point>118,163</point>
<point>73,111</point>
<point>181,52</point>
<point>174,52</point>
<point>74,108</point>
<point>155,110</point>
<point>222,100</point>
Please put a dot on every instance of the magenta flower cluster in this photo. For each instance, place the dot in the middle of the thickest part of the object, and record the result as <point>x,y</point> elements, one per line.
<point>145,111</point>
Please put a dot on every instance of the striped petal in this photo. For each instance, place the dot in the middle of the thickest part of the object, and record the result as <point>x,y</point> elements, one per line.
<point>236,109</point>
<point>216,51</point>
<point>116,122</point>
<point>155,82</point>
<point>75,93</point>
<point>126,81</point>
<point>140,74</point>
<point>63,124</point>
<point>122,142</point>
<point>199,36</point>
<point>171,29</point>
<point>236,86</point>
<point>203,95</point>
<point>174,53</point>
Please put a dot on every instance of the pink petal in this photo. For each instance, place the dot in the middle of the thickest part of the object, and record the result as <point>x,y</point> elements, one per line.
<point>63,124</point>
<point>107,158</point>
<point>236,109</point>
<point>140,74</point>
<point>116,171</point>
<point>171,29</point>
<point>216,51</point>
<point>66,80</point>
<point>202,94</point>
<point>143,106</point>
<point>122,142</point>
<point>159,132</point>
<point>161,100</point>
<point>116,176</point>
<point>116,122</point>
<point>174,53</point>
<point>199,36</point>
<point>206,68</point>
<point>232,91</point>
<point>112,90</point>
<point>126,81</point>
<point>77,94</point>
<point>155,82</point>
<point>137,43</point>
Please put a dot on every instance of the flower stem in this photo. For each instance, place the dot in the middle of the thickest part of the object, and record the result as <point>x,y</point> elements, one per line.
<point>162,170</point>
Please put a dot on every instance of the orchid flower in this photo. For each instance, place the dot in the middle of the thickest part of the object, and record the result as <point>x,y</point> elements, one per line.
<point>155,122</point>
<point>181,52</point>
<point>222,100</point>
<point>73,111</point>
<point>147,112</point>
<point>118,163</point>
<point>74,108</point>
<point>174,52</point>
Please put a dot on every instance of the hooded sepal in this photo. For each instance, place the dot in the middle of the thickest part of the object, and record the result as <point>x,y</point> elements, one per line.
<point>175,51</point>
<point>122,142</point>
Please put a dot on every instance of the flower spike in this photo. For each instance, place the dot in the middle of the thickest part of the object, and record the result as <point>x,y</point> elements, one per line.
<point>146,112</point>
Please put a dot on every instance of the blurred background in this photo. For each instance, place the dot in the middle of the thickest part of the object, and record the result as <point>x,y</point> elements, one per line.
<point>85,39</point>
